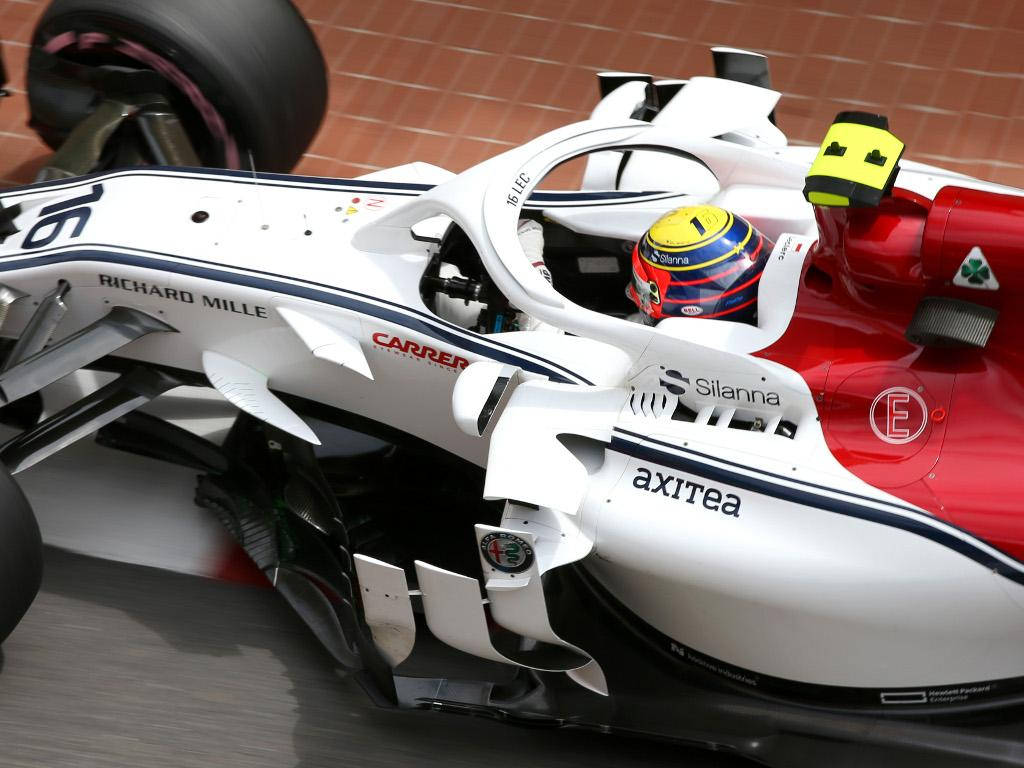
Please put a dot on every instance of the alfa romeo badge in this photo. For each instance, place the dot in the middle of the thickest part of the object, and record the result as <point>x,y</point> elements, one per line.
<point>507,552</point>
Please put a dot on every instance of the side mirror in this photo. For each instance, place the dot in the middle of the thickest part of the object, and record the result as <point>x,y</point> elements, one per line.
<point>478,391</point>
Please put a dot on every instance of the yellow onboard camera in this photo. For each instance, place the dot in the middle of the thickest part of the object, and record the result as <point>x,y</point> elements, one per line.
<point>856,164</point>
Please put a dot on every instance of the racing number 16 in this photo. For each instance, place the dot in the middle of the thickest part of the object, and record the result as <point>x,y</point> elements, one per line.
<point>58,214</point>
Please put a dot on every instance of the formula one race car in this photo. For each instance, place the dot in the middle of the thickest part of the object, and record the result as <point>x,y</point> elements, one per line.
<point>796,538</point>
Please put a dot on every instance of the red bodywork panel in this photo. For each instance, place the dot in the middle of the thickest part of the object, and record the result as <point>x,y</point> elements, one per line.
<point>940,427</point>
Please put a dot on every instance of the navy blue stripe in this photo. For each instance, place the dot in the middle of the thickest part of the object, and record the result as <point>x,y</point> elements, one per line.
<point>266,176</point>
<point>394,313</point>
<point>827,503</point>
<point>611,195</point>
<point>239,177</point>
<point>765,472</point>
<point>550,196</point>
<point>318,182</point>
<point>228,175</point>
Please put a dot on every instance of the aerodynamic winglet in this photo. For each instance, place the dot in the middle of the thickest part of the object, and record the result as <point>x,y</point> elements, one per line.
<point>246,389</point>
<point>327,342</point>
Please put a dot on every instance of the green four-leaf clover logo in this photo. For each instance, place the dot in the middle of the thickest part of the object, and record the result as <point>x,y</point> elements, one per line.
<point>975,271</point>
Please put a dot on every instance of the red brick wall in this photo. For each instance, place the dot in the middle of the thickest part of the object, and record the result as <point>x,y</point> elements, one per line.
<point>455,82</point>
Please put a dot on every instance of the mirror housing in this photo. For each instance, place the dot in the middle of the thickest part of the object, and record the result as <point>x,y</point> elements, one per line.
<point>480,388</point>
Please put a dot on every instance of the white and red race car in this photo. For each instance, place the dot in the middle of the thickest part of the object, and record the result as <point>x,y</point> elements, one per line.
<point>790,539</point>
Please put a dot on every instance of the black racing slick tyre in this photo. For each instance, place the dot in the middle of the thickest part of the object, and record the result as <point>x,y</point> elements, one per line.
<point>244,76</point>
<point>21,554</point>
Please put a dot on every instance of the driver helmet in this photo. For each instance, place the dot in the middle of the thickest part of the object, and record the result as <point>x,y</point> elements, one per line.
<point>699,261</point>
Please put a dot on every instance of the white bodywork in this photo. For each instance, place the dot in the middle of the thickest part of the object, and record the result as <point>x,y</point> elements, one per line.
<point>751,548</point>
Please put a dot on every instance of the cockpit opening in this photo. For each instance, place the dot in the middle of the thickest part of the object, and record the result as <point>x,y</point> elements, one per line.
<point>589,270</point>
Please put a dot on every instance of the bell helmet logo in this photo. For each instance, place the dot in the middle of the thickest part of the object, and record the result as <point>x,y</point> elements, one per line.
<point>692,310</point>
<point>898,415</point>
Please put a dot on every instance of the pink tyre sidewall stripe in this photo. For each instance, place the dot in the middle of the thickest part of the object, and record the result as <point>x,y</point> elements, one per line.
<point>214,122</point>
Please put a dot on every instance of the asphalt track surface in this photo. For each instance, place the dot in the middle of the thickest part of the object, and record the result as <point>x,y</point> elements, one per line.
<point>120,665</point>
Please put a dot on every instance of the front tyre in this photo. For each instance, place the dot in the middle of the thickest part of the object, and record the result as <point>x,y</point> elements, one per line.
<point>243,75</point>
<point>21,554</point>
